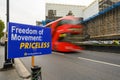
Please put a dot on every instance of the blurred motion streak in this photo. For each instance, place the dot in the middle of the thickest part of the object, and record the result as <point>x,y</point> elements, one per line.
<point>63,31</point>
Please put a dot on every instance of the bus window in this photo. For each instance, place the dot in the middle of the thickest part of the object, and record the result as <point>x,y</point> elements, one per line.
<point>74,22</point>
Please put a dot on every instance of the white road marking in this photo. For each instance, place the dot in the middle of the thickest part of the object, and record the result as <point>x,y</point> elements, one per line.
<point>102,62</point>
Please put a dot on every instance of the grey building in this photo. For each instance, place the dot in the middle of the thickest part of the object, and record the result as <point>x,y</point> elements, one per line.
<point>54,11</point>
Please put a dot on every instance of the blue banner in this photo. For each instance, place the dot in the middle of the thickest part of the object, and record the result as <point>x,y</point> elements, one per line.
<point>27,40</point>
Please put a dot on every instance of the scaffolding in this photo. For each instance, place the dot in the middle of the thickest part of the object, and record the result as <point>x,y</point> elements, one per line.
<point>105,24</point>
<point>103,4</point>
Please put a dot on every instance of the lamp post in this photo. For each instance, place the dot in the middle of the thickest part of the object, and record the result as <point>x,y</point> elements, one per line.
<point>7,10</point>
<point>8,62</point>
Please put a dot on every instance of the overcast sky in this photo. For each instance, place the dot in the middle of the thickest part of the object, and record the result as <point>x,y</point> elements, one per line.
<point>28,11</point>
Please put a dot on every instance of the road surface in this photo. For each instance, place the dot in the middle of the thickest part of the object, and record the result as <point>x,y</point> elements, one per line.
<point>86,65</point>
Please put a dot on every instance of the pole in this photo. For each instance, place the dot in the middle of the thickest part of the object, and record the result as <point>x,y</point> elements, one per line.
<point>36,70</point>
<point>7,14</point>
<point>8,62</point>
<point>33,61</point>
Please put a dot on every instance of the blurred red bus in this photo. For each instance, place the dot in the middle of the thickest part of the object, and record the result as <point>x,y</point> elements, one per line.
<point>62,30</point>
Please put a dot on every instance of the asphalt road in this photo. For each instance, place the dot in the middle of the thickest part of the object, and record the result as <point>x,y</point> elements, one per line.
<point>86,65</point>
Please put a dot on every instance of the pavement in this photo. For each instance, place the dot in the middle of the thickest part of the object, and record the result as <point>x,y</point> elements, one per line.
<point>17,72</point>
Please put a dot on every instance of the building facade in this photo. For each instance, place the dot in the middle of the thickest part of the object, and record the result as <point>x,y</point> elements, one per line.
<point>54,11</point>
<point>91,10</point>
<point>97,6</point>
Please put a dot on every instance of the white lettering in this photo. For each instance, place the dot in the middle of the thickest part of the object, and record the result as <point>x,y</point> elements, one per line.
<point>14,37</point>
<point>41,32</point>
<point>25,31</point>
<point>25,38</point>
<point>13,28</point>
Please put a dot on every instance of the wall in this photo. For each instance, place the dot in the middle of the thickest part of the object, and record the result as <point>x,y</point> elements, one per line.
<point>62,10</point>
<point>91,10</point>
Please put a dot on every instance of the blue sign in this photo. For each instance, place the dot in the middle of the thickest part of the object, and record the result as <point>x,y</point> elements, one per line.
<point>27,40</point>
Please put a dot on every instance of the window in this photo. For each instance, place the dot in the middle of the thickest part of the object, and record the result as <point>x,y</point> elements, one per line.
<point>51,12</point>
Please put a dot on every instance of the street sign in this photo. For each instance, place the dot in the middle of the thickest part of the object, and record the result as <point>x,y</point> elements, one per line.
<point>27,40</point>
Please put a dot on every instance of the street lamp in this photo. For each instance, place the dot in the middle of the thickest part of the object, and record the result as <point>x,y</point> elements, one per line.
<point>8,62</point>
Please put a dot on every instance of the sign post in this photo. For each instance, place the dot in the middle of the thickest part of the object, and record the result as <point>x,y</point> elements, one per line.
<point>36,73</point>
<point>33,61</point>
<point>36,70</point>
<point>27,40</point>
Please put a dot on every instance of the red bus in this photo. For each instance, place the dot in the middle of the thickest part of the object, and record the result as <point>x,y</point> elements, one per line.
<point>62,30</point>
